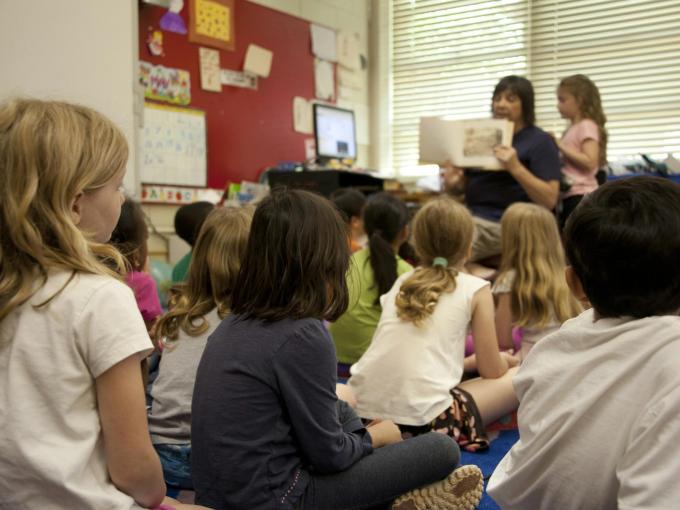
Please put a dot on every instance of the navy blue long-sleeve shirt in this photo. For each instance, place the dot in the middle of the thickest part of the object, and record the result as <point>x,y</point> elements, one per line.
<point>264,414</point>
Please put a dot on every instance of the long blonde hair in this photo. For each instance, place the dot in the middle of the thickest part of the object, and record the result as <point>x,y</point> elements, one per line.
<point>215,263</point>
<point>442,228</point>
<point>49,153</point>
<point>531,247</point>
<point>587,96</point>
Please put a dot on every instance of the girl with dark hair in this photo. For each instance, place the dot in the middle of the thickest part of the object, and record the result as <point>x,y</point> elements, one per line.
<point>373,272</point>
<point>532,168</point>
<point>267,428</point>
<point>130,237</point>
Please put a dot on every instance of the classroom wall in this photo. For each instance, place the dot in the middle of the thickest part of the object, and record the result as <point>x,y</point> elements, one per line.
<point>82,51</point>
<point>351,15</point>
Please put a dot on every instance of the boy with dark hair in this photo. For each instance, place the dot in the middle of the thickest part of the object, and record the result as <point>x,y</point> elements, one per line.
<point>600,399</point>
<point>188,221</point>
<point>351,204</point>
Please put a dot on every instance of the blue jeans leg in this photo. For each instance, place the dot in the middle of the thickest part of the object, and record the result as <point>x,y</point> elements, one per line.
<point>176,462</point>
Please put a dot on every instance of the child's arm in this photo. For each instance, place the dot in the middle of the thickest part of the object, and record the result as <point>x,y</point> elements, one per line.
<point>132,462</point>
<point>504,320</point>
<point>490,363</point>
<point>588,158</point>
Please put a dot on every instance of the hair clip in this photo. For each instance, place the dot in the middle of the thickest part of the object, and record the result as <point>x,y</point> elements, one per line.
<point>440,261</point>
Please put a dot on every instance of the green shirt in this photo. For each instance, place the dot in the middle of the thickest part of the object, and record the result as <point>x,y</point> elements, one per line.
<point>181,269</point>
<point>353,331</point>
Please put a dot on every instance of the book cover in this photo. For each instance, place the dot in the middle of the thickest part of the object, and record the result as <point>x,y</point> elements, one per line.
<point>465,143</point>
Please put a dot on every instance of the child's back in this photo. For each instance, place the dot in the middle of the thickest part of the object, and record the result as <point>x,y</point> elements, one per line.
<point>600,399</point>
<point>198,308</point>
<point>51,440</point>
<point>373,272</point>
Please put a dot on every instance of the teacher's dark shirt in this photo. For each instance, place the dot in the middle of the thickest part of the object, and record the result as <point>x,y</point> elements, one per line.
<point>489,193</point>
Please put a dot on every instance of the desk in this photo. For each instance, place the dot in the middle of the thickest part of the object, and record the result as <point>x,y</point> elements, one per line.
<point>325,181</point>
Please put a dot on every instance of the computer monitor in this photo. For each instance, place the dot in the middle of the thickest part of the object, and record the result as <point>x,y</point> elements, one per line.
<point>334,132</point>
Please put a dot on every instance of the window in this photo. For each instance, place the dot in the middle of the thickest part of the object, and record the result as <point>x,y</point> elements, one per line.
<point>446,57</point>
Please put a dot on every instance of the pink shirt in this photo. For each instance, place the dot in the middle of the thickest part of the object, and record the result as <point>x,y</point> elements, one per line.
<point>146,294</point>
<point>584,181</point>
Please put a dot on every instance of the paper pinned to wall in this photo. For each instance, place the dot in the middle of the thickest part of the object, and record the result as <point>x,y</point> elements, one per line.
<point>258,61</point>
<point>324,43</point>
<point>210,69</point>
<point>302,115</point>
<point>348,50</point>
<point>238,79</point>
<point>349,78</point>
<point>172,145</point>
<point>324,80</point>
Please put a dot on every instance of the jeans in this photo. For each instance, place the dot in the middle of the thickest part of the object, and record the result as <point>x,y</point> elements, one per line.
<point>176,462</point>
<point>377,479</point>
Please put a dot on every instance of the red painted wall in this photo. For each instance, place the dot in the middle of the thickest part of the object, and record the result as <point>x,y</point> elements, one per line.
<point>248,130</point>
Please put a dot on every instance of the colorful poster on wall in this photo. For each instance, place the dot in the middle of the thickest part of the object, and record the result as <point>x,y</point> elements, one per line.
<point>165,83</point>
<point>212,23</point>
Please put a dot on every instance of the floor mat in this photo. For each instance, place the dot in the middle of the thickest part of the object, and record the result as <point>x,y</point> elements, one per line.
<point>488,460</point>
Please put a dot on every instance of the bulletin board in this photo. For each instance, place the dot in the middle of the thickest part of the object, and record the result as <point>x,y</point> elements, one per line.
<point>172,146</point>
<point>247,130</point>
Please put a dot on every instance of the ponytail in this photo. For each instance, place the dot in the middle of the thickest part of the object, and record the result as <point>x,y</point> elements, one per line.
<point>385,216</point>
<point>419,294</point>
<point>442,231</point>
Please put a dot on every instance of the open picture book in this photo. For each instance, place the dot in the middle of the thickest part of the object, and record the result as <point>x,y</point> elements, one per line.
<point>465,143</point>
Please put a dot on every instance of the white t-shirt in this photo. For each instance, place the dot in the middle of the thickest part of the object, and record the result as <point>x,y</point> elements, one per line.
<point>530,335</point>
<point>51,441</point>
<point>407,372</point>
<point>599,419</point>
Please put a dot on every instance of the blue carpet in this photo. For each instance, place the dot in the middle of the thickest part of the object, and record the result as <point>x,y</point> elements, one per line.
<point>488,460</point>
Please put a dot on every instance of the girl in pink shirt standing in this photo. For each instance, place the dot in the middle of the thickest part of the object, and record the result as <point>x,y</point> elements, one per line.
<point>583,145</point>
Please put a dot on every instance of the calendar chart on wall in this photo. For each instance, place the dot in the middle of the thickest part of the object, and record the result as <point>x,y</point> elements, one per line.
<point>172,146</point>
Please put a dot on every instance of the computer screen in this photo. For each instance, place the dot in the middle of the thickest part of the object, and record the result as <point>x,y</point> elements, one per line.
<point>335,132</point>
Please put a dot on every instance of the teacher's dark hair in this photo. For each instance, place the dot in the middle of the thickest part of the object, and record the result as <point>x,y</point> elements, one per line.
<point>296,260</point>
<point>522,88</point>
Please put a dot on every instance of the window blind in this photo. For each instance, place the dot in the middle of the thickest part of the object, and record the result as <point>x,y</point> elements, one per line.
<point>630,49</point>
<point>447,55</point>
<point>446,59</point>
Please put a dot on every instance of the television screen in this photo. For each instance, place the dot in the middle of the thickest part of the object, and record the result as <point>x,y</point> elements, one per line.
<point>334,132</point>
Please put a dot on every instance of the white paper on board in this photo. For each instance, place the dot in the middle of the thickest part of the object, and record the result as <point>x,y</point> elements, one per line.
<point>209,61</point>
<point>324,43</point>
<point>238,79</point>
<point>258,61</point>
<point>302,116</point>
<point>349,78</point>
<point>348,50</point>
<point>324,80</point>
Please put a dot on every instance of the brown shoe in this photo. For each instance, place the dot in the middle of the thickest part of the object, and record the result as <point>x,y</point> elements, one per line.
<point>461,490</point>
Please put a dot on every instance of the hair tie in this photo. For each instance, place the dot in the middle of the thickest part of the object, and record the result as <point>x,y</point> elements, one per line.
<point>440,261</point>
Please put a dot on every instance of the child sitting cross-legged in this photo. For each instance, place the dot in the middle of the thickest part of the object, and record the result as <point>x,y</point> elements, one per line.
<point>198,307</point>
<point>412,371</point>
<point>600,398</point>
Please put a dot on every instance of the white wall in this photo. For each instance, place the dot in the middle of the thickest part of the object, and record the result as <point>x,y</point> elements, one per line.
<point>83,51</point>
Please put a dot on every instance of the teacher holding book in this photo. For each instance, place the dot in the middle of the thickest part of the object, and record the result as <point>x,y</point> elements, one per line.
<point>532,168</point>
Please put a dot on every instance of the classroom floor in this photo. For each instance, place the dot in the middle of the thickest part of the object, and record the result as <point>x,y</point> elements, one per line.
<point>488,460</point>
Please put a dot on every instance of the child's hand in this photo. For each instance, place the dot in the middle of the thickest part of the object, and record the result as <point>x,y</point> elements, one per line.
<point>383,433</point>
<point>510,359</point>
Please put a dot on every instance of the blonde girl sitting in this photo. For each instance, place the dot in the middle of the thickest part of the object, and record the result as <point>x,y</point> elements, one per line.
<point>72,410</point>
<point>531,290</point>
<point>199,306</point>
<point>412,371</point>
